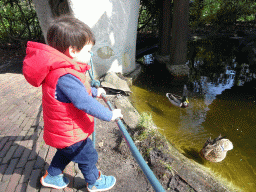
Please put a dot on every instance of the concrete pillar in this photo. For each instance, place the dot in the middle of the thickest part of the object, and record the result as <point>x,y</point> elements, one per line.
<point>114,23</point>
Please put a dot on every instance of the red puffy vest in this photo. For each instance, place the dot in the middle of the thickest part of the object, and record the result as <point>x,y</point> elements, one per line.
<point>64,124</point>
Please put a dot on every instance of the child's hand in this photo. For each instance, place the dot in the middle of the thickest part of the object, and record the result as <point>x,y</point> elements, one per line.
<point>100,91</point>
<point>116,114</point>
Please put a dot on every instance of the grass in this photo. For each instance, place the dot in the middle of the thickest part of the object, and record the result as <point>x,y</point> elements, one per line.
<point>169,167</point>
<point>146,127</point>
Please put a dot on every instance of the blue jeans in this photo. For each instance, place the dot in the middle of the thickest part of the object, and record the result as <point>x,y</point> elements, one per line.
<point>82,153</point>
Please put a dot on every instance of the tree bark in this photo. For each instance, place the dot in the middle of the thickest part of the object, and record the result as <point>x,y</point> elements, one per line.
<point>165,28</point>
<point>179,34</point>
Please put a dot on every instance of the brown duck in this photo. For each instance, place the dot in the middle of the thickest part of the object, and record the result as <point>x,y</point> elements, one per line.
<point>216,150</point>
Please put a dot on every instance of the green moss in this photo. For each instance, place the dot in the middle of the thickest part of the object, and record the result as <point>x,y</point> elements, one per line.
<point>146,127</point>
<point>169,167</point>
<point>147,136</point>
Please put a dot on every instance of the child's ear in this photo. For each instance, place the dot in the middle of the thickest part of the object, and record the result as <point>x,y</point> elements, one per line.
<point>72,51</point>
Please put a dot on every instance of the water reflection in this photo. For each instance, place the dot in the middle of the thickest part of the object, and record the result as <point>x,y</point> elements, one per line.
<point>222,100</point>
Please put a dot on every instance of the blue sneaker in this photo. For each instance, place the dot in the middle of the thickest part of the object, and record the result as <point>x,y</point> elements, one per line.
<point>103,183</point>
<point>57,182</point>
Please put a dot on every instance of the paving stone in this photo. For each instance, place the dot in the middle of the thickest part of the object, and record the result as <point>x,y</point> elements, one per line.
<point>34,152</point>
<point>57,190</point>
<point>3,185</point>
<point>7,128</point>
<point>41,122</point>
<point>10,112</point>
<point>30,111</point>
<point>2,170</point>
<point>23,133</point>
<point>4,113</point>
<point>6,148</point>
<point>40,135</point>
<point>18,140</point>
<point>34,182</point>
<point>24,106</point>
<point>11,131</point>
<point>70,173</point>
<point>36,136</point>
<point>45,189</point>
<point>31,144</point>
<point>22,187</point>
<point>3,142</point>
<point>14,181</point>
<point>9,154</point>
<point>50,154</point>
<point>23,124</point>
<point>27,171</point>
<point>20,119</point>
<point>16,117</point>
<point>29,123</point>
<point>24,143</point>
<point>8,173</point>
<point>19,151</point>
<point>49,157</point>
<point>24,158</point>
<point>16,129</point>
<point>40,161</point>
<point>15,114</point>
<point>29,134</point>
<point>82,190</point>
<point>36,148</point>
<point>79,181</point>
<point>5,108</point>
<point>35,122</point>
<point>4,122</point>
<point>46,167</point>
<point>69,189</point>
<point>18,101</point>
<point>29,98</point>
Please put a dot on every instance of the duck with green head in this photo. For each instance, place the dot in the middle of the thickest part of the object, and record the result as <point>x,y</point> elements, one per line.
<point>178,101</point>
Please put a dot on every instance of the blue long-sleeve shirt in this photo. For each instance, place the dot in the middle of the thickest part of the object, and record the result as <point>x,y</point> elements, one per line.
<point>70,89</point>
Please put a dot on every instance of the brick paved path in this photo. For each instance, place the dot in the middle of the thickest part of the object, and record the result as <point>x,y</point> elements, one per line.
<point>23,154</point>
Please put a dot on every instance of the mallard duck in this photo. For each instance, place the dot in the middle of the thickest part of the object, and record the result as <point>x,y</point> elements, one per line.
<point>177,100</point>
<point>216,150</point>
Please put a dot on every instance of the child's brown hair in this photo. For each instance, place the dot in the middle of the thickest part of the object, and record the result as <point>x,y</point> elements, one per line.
<point>68,31</point>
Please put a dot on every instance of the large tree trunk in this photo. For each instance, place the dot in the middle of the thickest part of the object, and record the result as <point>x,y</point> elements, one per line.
<point>114,23</point>
<point>178,55</point>
<point>44,15</point>
<point>165,28</point>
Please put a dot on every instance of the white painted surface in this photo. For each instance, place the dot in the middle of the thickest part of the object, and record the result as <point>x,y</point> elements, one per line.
<point>114,23</point>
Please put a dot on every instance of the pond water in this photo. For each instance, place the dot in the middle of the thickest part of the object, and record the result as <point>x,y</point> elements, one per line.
<point>221,101</point>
